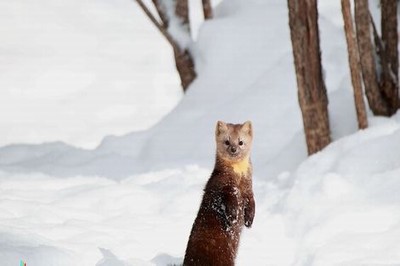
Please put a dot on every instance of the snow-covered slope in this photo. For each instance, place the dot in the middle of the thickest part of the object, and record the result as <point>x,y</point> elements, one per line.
<point>340,207</point>
<point>246,73</point>
<point>78,70</point>
<point>343,208</point>
<point>132,200</point>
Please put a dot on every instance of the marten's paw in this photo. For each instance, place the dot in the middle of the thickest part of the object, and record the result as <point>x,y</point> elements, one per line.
<point>249,212</point>
<point>226,205</point>
<point>248,222</point>
<point>230,202</point>
<point>231,215</point>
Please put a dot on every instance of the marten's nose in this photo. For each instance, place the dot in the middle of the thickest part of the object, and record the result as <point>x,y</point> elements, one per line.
<point>233,149</point>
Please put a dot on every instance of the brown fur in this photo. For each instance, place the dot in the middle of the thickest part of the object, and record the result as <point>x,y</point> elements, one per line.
<point>228,201</point>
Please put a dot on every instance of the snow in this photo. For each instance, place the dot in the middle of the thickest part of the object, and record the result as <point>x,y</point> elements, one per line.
<point>343,206</point>
<point>76,71</point>
<point>61,210</point>
<point>131,199</point>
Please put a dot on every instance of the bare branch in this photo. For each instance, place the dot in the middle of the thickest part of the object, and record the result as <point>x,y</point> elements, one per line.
<point>183,58</point>
<point>160,27</point>
<point>161,12</point>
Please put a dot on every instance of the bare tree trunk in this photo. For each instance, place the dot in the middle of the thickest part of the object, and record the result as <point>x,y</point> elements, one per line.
<point>387,84</point>
<point>313,100</point>
<point>185,66</point>
<point>207,9</point>
<point>368,67</point>
<point>389,77</point>
<point>354,65</point>
<point>183,59</point>
<point>161,27</point>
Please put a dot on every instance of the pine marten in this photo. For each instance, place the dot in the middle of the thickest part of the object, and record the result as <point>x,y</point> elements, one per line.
<point>228,201</point>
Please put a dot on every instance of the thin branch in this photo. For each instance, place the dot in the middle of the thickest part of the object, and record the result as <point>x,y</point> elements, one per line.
<point>160,27</point>
<point>161,12</point>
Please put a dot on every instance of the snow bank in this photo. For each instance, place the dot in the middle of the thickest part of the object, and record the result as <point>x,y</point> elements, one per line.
<point>343,208</point>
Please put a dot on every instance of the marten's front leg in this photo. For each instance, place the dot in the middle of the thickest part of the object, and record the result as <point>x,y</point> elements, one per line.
<point>226,204</point>
<point>230,199</point>
<point>249,210</point>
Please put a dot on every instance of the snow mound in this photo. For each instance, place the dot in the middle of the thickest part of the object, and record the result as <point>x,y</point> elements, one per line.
<point>343,208</point>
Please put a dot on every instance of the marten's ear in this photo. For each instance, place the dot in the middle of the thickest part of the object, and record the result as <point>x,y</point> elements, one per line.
<point>247,127</point>
<point>221,127</point>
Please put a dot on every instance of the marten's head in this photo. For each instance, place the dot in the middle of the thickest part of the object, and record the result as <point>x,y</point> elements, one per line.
<point>234,141</point>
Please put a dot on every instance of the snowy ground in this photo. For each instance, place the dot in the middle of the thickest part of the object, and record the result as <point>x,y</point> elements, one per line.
<point>132,199</point>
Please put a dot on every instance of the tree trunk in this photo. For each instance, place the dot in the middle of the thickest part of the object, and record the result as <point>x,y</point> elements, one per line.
<point>183,59</point>
<point>354,65</point>
<point>182,12</point>
<point>207,9</point>
<point>313,100</point>
<point>362,20</point>
<point>185,66</point>
<point>389,76</point>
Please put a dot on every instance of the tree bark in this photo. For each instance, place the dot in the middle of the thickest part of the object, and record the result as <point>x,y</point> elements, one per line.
<point>159,26</point>
<point>354,65</point>
<point>183,59</point>
<point>313,100</point>
<point>389,76</point>
<point>207,9</point>
<point>375,97</point>
<point>185,66</point>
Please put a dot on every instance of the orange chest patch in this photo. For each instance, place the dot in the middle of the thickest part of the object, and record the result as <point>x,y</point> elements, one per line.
<point>242,167</point>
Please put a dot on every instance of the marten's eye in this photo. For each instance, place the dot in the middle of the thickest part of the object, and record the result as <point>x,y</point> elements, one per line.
<point>227,142</point>
<point>241,143</point>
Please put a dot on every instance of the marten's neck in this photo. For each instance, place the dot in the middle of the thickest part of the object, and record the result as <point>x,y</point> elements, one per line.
<point>241,168</point>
